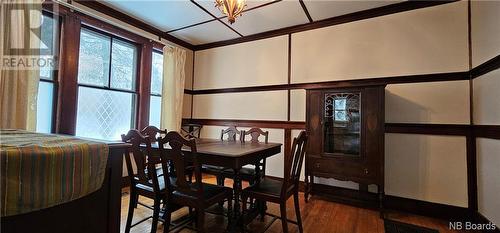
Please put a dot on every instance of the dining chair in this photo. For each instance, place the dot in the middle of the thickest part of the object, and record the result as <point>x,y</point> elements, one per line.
<point>191,130</point>
<point>249,174</point>
<point>231,133</point>
<point>146,182</point>
<point>279,192</point>
<point>197,195</point>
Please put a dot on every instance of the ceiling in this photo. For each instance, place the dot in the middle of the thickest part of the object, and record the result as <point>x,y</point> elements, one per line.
<point>199,22</point>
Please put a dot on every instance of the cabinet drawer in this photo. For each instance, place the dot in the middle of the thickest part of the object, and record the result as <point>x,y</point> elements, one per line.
<point>341,170</point>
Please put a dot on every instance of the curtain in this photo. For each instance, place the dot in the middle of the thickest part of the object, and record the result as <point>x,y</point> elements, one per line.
<point>20,33</point>
<point>173,88</point>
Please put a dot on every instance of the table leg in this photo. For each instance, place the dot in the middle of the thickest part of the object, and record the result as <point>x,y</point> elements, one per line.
<point>237,192</point>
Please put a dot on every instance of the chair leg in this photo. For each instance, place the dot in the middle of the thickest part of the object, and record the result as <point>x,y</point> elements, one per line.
<point>229,212</point>
<point>131,206</point>
<point>200,222</point>
<point>220,182</point>
<point>283,217</point>
<point>156,215</point>
<point>168,217</point>
<point>297,211</point>
<point>136,199</point>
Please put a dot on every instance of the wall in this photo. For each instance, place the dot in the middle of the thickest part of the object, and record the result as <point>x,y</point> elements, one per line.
<point>430,40</point>
<point>486,102</point>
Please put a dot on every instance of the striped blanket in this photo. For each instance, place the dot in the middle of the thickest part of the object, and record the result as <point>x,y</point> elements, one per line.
<point>43,170</point>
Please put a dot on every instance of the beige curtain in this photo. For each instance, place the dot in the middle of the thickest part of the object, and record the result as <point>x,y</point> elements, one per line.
<point>173,88</point>
<point>19,84</point>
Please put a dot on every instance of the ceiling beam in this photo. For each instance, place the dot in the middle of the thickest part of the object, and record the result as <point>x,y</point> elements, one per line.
<point>223,17</point>
<point>303,5</point>
<point>360,15</point>
<point>215,17</point>
<point>97,6</point>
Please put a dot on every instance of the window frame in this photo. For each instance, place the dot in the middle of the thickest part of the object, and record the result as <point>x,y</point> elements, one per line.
<point>136,88</point>
<point>55,72</point>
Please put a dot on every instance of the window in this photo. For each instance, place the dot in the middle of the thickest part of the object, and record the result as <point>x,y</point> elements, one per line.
<point>156,89</point>
<point>46,87</point>
<point>107,71</point>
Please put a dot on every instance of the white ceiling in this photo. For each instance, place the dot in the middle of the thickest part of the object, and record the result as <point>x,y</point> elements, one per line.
<point>177,16</point>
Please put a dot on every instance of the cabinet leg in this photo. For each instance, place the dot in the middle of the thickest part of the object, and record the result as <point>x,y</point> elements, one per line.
<point>381,196</point>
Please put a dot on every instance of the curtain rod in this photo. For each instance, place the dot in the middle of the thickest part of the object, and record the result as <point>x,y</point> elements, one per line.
<point>86,12</point>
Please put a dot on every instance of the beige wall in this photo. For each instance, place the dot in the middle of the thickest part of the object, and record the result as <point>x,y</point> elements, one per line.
<point>487,99</point>
<point>435,102</point>
<point>485,30</point>
<point>263,62</point>
<point>429,168</point>
<point>430,40</point>
<point>270,105</point>
<point>486,45</point>
<point>488,184</point>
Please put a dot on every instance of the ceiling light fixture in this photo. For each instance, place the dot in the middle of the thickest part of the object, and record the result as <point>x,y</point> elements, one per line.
<point>231,8</point>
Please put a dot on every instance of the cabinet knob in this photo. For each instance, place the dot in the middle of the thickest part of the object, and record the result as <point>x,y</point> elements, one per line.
<point>366,171</point>
<point>318,165</point>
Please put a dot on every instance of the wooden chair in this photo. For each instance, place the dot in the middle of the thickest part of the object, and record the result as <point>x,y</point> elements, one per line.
<point>197,195</point>
<point>147,181</point>
<point>231,133</point>
<point>279,191</point>
<point>191,130</point>
<point>248,173</point>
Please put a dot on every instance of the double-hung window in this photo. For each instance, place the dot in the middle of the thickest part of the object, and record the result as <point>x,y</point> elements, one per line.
<point>156,89</point>
<point>107,89</point>
<point>47,85</point>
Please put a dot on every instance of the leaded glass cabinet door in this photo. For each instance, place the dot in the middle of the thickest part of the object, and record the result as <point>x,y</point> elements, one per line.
<point>342,124</point>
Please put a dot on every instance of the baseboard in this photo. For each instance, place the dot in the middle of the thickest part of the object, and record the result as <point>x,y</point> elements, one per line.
<point>430,209</point>
<point>479,218</point>
<point>412,206</point>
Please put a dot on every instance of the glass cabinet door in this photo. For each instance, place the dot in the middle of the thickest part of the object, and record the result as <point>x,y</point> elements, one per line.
<point>342,124</point>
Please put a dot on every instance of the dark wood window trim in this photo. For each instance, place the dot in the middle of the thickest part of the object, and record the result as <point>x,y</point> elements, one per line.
<point>67,97</point>
<point>68,75</point>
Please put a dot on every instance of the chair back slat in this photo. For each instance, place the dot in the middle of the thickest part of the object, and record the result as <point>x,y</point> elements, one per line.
<point>255,133</point>
<point>191,130</point>
<point>144,159</point>
<point>293,165</point>
<point>171,146</point>
<point>153,132</point>
<point>231,133</point>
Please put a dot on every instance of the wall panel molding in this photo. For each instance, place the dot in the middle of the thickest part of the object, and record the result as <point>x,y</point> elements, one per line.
<point>486,67</point>
<point>435,77</point>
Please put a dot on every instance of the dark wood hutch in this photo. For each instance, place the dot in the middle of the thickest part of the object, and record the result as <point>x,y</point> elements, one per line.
<point>346,136</point>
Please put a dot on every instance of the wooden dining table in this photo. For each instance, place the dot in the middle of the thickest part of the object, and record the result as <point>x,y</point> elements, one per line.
<point>233,155</point>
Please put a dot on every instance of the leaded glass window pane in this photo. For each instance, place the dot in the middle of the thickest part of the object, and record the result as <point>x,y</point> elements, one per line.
<point>104,114</point>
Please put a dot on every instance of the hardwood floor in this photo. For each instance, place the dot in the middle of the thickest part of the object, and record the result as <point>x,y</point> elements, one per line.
<point>318,215</point>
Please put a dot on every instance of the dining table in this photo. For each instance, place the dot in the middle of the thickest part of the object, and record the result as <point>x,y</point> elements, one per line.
<point>232,155</point>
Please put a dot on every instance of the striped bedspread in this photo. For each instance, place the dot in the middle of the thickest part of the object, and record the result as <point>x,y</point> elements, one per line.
<point>43,170</point>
